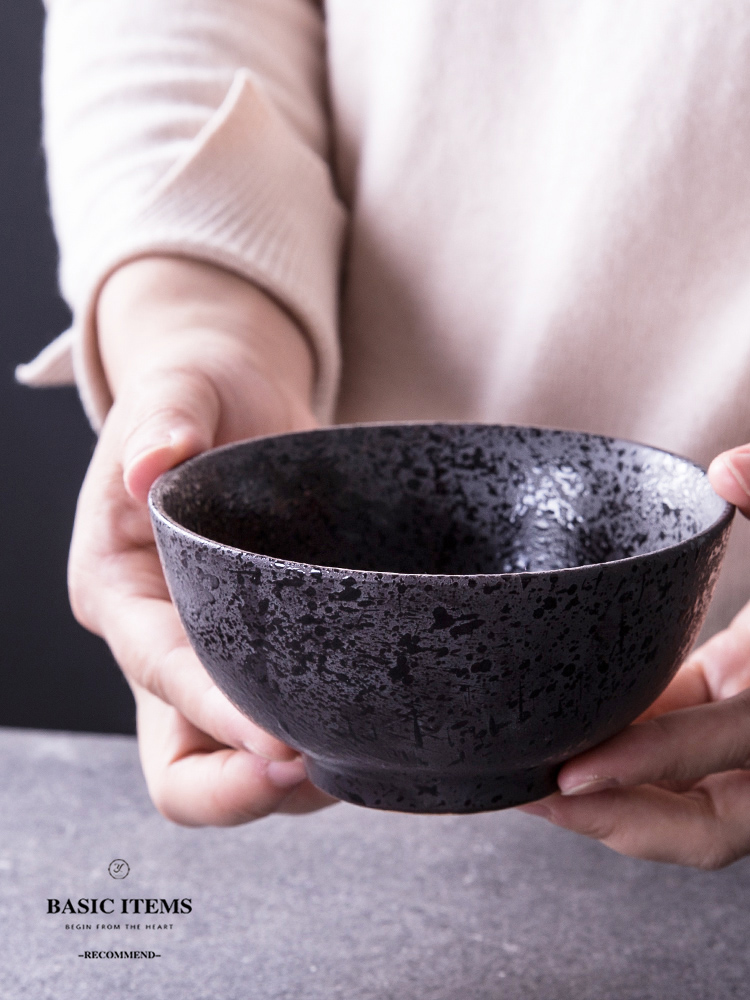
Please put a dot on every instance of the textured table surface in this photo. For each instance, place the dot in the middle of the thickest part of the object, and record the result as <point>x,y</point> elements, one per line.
<point>346,903</point>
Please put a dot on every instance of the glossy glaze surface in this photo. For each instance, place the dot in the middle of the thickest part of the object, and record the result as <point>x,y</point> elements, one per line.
<point>438,615</point>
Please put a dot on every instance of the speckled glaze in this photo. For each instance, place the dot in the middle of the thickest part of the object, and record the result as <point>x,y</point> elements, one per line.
<point>438,615</point>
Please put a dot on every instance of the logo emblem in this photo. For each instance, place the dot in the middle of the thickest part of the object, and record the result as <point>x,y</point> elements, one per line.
<point>118,868</point>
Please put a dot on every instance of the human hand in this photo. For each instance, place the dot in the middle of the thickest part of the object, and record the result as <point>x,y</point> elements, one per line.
<point>675,786</point>
<point>195,357</point>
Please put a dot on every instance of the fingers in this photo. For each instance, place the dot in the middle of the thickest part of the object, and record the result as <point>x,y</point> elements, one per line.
<point>700,725</point>
<point>171,415</point>
<point>194,781</point>
<point>682,746</point>
<point>675,786</point>
<point>718,669</point>
<point>730,477</point>
<point>707,827</point>
<point>689,687</point>
<point>118,590</point>
<point>724,661</point>
<point>147,635</point>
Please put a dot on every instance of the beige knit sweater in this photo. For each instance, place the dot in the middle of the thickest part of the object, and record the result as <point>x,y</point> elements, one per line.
<point>494,210</point>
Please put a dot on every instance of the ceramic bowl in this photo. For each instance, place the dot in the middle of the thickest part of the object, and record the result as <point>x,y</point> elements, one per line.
<point>438,615</point>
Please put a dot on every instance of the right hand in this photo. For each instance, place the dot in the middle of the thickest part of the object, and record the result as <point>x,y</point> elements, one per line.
<point>195,357</point>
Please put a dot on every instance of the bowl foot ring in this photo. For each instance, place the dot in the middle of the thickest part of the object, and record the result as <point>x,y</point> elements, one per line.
<point>407,791</point>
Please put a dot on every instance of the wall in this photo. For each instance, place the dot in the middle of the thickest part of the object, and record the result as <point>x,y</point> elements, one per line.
<point>53,674</point>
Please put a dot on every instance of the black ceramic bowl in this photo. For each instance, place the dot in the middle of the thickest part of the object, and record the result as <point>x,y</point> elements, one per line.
<point>438,615</point>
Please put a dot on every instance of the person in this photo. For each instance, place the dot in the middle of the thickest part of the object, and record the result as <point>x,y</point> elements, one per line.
<point>273,215</point>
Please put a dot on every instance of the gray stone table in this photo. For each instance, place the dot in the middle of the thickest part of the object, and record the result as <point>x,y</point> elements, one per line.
<point>346,903</point>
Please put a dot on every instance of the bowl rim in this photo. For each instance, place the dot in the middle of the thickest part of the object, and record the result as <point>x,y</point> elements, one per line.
<point>156,492</point>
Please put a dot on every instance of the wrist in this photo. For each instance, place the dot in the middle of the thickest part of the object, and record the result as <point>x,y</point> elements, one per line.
<point>158,311</point>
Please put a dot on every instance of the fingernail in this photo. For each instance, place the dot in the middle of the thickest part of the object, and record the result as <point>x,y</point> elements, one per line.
<point>736,469</point>
<point>594,785</point>
<point>286,773</point>
<point>729,471</point>
<point>141,468</point>
<point>163,443</point>
<point>537,809</point>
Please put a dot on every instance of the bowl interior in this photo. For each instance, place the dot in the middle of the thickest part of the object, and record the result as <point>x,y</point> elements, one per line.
<point>441,498</point>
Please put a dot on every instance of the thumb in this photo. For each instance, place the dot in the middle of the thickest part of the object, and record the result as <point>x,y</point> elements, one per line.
<point>167,416</point>
<point>730,477</point>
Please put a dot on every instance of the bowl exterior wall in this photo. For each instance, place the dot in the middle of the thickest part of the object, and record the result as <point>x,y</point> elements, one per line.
<point>457,677</point>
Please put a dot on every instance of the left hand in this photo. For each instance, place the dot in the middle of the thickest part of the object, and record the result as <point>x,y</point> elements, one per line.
<point>195,356</point>
<point>675,785</point>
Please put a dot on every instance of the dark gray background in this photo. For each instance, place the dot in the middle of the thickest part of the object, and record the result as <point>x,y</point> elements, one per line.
<point>54,674</point>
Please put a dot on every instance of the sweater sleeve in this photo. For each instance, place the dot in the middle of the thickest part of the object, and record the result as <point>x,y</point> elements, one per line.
<point>190,127</point>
